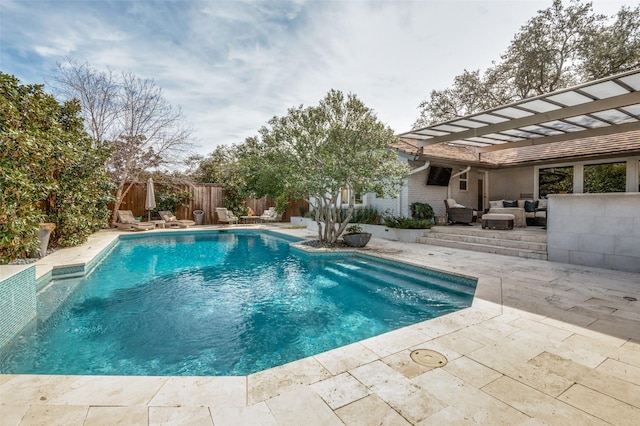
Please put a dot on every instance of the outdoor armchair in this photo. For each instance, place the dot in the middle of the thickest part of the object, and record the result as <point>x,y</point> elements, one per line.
<point>226,216</point>
<point>457,213</point>
<point>269,215</point>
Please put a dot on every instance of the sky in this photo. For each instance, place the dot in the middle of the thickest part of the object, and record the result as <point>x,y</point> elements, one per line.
<point>232,65</point>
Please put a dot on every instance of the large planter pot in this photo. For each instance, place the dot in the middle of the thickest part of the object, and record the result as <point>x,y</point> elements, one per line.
<point>43,235</point>
<point>359,239</point>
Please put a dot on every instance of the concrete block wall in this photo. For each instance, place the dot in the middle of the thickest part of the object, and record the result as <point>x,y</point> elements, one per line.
<point>599,230</point>
<point>17,300</point>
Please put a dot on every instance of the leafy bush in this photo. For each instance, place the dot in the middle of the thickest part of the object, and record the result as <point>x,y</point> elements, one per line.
<point>407,223</point>
<point>354,229</point>
<point>421,211</point>
<point>50,170</point>
<point>172,199</point>
<point>282,203</point>
<point>367,215</point>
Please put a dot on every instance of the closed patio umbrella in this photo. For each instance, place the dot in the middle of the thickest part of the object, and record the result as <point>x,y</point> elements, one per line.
<point>150,202</point>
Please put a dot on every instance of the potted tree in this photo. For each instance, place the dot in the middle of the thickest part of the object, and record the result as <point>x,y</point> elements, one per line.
<point>355,237</point>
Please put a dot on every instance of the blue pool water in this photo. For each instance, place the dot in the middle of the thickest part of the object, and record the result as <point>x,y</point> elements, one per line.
<point>221,304</point>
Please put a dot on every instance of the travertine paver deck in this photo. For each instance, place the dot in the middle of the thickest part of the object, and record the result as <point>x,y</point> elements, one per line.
<point>543,343</point>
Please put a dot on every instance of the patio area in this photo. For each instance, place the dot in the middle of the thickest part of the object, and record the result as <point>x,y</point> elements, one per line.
<point>543,343</point>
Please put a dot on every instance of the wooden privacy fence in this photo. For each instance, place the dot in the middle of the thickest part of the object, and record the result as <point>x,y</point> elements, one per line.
<point>205,197</point>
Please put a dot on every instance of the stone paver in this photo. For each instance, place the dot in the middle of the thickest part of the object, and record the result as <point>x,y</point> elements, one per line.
<point>543,343</point>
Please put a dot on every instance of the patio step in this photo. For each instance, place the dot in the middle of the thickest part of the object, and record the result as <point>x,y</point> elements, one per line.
<point>527,244</point>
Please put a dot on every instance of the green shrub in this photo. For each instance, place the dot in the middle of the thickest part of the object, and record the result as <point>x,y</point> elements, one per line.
<point>421,211</point>
<point>354,229</point>
<point>407,223</point>
<point>50,171</point>
<point>172,199</point>
<point>367,215</point>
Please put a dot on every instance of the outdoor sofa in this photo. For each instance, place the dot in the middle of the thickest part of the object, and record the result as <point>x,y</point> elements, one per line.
<point>526,211</point>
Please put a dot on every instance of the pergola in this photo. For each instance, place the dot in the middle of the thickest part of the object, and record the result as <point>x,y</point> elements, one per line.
<point>601,107</point>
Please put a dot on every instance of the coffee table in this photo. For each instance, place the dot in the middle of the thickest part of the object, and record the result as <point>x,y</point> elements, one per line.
<point>250,219</point>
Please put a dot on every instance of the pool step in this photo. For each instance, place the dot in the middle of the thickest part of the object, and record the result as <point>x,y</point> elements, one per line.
<point>53,296</point>
<point>415,276</point>
<point>382,295</point>
<point>530,244</point>
<point>421,289</point>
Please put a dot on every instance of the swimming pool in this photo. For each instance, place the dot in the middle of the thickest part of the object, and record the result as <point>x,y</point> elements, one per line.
<point>222,303</point>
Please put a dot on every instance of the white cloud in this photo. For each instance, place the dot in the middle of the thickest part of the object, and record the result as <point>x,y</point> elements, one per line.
<point>232,65</point>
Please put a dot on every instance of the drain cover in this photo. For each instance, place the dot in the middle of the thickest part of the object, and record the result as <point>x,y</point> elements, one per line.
<point>429,358</point>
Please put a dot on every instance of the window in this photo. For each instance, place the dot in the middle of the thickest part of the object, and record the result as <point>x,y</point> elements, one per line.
<point>344,197</point>
<point>464,181</point>
<point>555,180</point>
<point>610,177</point>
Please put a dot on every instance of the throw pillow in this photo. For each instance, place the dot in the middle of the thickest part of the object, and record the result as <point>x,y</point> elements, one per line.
<point>513,203</point>
<point>458,206</point>
<point>530,206</point>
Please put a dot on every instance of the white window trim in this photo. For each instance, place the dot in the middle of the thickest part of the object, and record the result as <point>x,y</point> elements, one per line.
<point>633,178</point>
<point>466,179</point>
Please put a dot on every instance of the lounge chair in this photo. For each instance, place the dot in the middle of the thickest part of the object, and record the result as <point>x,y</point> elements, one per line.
<point>171,221</point>
<point>128,222</point>
<point>269,215</point>
<point>226,216</point>
<point>457,213</point>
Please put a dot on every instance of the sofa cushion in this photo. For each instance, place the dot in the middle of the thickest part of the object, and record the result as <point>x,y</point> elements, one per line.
<point>542,203</point>
<point>513,203</point>
<point>495,204</point>
<point>530,206</point>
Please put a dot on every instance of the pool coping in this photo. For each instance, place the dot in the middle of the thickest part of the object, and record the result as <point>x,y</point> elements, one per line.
<point>375,371</point>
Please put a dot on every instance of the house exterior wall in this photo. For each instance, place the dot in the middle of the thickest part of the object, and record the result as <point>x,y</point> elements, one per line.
<point>417,190</point>
<point>599,230</point>
<point>388,206</point>
<point>508,184</point>
<point>468,197</point>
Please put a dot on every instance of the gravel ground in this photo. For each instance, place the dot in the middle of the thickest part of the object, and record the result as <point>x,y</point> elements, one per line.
<point>318,244</point>
<point>28,260</point>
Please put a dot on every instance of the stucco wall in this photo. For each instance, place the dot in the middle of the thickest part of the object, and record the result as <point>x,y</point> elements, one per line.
<point>468,198</point>
<point>508,184</point>
<point>599,230</point>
